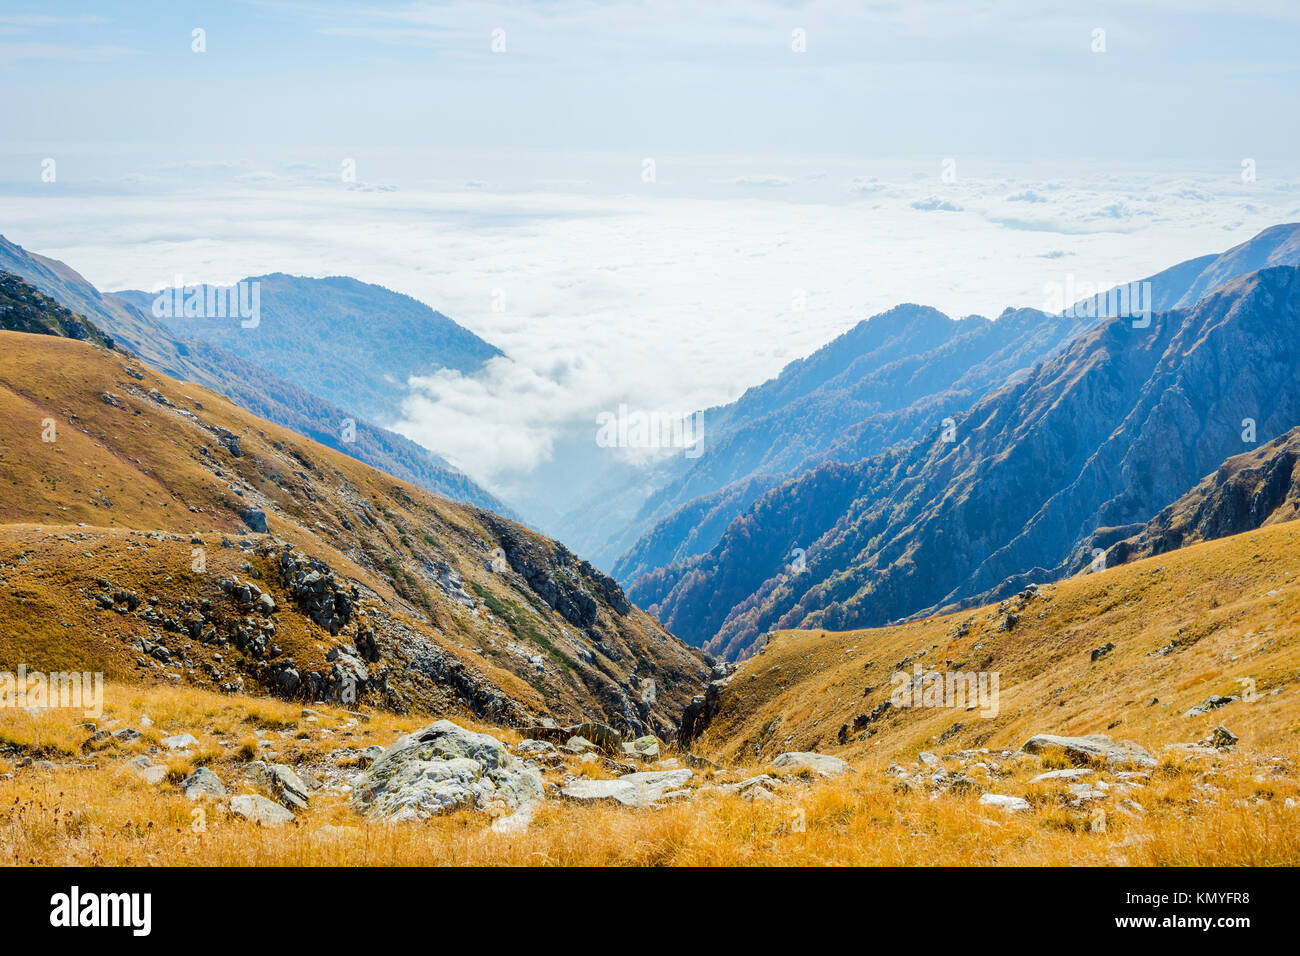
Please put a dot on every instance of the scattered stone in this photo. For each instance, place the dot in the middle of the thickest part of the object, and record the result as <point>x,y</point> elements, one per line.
<point>147,770</point>
<point>255,518</point>
<point>1011,804</point>
<point>1213,702</point>
<point>203,784</point>
<point>532,748</point>
<point>179,742</point>
<point>823,765</point>
<point>1071,774</point>
<point>518,821</point>
<point>1089,748</point>
<point>639,790</point>
<point>1221,738</point>
<point>257,809</point>
<point>699,763</point>
<point>1100,652</point>
<point>282,783</point>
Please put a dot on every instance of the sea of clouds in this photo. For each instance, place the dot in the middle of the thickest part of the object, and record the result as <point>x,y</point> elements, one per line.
<point>603,288</point>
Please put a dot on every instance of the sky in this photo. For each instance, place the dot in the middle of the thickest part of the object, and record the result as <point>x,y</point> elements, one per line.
<point>657,203</point>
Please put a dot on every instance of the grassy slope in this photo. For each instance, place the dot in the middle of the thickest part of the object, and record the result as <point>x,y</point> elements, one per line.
<point>90,809</point>
<point>138,467</point>
<point>1233,605</point>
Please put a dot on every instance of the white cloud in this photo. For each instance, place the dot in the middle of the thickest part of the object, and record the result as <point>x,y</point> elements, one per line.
<point>661,298</point>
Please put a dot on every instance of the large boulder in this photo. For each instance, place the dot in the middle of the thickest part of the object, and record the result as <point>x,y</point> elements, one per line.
<point>1082,750</point>
<point>639,790</point>
<point>441,768</point>
<point>824,765</point>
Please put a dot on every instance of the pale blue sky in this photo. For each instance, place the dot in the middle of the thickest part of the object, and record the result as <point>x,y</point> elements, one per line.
<point>1179,79</point>
<point>517,177</point>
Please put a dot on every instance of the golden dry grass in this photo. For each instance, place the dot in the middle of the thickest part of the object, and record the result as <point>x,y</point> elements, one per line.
<point>1220,811</point>
<point>1232,606</point>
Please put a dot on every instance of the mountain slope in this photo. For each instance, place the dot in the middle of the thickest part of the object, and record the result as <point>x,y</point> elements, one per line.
<point>1214,620</point>
<point>243,382</point>
<point>360,341</point>
<point>888,380</point>
<point>1183,286</point>
<point>1107,433</point>
<point>125,547</point>
<point>1248,491</point>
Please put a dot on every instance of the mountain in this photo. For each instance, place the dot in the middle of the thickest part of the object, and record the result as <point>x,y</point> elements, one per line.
<point>359,341</point>
<point>242,381</point>
<point>155,532</point>
<point>1106,433</point>
<point>1183,285</point>
<point>886,381</point>
<point>1132,652</point>
<point>1248,491</point>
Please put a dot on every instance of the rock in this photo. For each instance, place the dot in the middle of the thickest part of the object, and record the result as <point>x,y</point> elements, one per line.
<point>1012,804</point>
<point>1221,738</point>
<point>824,765</point>
<point>1091,747</point>
<point>745,788</point>
<point>1213,702</point>
<point>147,770</point>
<point>579,745</point>
<point>1100,652</point>
<point>699,763</point>
<point>179,742</point>
<point>531,748</point>
<point>518,821</point>
<point>639,790</point>
<point>281,782</point>
<point>1082,793</point>
<point>647,747</point>
<point>606,738</point>
<point>203,784</point>
<point>259,810</point>
<point>1071,774</point>
<point>441,768</point>
<point>255,518</point>
<point>929,759</point>
<point>126,735</point>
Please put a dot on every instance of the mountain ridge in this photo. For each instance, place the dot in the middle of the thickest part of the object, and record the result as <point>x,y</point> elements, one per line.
<point>244,382</point>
